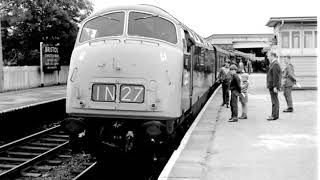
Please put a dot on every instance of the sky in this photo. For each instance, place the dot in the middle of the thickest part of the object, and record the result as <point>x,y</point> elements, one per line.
<point>207,17</point>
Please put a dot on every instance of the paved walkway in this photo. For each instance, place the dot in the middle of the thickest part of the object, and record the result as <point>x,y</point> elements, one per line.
<point>12,100</point>
<point>251,149</point>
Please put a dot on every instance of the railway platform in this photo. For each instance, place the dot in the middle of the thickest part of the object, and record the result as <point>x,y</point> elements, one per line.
<point>20,99</point>
<point>253,148</point>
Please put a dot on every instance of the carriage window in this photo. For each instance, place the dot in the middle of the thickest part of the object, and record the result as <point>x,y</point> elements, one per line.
<point>103,26</point>
<point>153,26</point>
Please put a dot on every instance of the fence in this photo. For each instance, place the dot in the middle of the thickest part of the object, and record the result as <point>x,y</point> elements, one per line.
<point>25,77</point>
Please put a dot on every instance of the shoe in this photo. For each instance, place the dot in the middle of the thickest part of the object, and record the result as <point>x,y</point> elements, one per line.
<point>270,118</point>
<point>230,118</point>
<point>243,117</point>
<point>233,120</point>
<point>227,105</point>
<point>288,110</point>
<point>222,104</point>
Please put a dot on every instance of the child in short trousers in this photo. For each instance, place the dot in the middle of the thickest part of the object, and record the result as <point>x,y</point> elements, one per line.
<point>244,95</point>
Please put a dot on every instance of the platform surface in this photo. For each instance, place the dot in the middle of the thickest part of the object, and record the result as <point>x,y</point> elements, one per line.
<point>13,100</point>
<point>254,148</point>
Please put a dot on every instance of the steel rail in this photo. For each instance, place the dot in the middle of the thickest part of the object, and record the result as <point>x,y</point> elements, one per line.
<point>85,171</point>
<point>27,138</point>
<point>33,160</point>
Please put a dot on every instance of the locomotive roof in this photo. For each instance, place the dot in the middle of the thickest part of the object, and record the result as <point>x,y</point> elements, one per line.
<point>151,9</point>
<point>139,7</point>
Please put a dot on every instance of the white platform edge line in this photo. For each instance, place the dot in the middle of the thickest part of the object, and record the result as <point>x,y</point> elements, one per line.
<point>167,169</point>
<point>31,105</point>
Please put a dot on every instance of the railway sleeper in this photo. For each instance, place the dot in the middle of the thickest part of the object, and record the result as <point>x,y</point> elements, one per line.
<point>34,148</point>
<point>39,144</point>
<point>14,159</point>
<point>31,174</point>
<point>7,166</point>
<point>53,162</point>
<point>22,154</point>
<point>62,136</point>
<point>48,139</point>
<point>63,156</point>
<point>44,168</point>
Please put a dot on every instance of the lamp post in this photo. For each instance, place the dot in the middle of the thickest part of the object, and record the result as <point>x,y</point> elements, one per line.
<point>1,55</point>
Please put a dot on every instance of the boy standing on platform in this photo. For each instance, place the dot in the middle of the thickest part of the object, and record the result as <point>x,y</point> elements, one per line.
<point>244,95</point>
<point>235,89</point>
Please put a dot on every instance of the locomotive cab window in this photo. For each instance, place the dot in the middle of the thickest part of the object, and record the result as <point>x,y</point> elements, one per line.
<point>102,26</point>
<point>152,26</point>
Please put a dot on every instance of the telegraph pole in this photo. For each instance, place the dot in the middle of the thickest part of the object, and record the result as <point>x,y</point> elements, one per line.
<point>1,55</point>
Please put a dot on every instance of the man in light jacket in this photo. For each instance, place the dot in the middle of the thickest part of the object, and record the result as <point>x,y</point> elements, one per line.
<point>224,78</point>
<point>288,81</point>
<point>274,85</point>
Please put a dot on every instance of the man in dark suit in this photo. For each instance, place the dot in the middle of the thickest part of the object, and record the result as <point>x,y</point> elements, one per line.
<point>274,84</point>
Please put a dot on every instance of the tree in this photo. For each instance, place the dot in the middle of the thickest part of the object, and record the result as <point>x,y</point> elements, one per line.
<point>28,22</point>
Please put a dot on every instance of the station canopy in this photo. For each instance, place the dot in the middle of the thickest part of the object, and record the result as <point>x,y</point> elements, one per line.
<point>248,44</point>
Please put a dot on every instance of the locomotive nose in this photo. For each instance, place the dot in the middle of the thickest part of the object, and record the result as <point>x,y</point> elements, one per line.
<point>124,75</point>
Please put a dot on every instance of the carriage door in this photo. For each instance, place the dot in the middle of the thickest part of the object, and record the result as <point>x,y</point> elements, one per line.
<point>187,79</point>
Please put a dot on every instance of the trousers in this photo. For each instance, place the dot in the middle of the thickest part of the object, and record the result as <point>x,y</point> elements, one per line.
<point>225,93</point>
<point>234,103</point>
<point>275,103</point>
<point>288,96</point>
<point>244,109</point>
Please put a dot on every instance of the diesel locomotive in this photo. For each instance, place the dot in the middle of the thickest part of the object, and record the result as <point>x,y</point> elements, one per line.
<point>136,74</point>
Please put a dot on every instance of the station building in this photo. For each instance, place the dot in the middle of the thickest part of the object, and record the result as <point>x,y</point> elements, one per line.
<point>297,37</point>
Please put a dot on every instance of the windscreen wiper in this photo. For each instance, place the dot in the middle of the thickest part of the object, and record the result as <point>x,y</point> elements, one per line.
<point>146,17</point>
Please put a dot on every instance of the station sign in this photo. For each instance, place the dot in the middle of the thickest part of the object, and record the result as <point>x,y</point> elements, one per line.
<point>50,57</point>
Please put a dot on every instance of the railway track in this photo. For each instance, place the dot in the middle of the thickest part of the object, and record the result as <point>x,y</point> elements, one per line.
<point>37,155</point>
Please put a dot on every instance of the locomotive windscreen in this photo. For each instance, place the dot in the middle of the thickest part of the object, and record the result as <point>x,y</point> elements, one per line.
<point>153,26</point>
<point>102,26</point>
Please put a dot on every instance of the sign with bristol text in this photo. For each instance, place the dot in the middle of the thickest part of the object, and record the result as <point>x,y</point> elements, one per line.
<point>51,58</point>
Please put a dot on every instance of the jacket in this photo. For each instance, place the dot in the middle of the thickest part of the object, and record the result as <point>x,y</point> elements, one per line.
<point>224,75</point>
<point>235,83</point>
<point>244,86</point>
<point>274,75</point>
<point>288,76</point>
